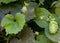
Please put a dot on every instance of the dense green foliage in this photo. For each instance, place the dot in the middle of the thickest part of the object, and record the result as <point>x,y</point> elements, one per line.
<point>20,19</point>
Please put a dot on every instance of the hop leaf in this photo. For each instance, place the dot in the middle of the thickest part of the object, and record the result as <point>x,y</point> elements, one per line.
<point>13,24</point>
<point>42,17</point>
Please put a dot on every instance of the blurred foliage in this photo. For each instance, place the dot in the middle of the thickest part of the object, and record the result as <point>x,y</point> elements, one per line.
<point>43,39</point>
<point>38,15</point>
<point>25,36</point>
<point>6,1</point>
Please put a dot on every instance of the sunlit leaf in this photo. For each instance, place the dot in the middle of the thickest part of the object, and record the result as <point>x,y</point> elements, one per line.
<point>13,24</point>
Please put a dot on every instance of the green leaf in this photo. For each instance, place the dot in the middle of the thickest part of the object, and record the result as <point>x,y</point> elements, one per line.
<point>57,11</point>
<point>41,23</point>
<point>6,1</point>
<point>42,12</point>
<point>20,19</point>
<point>13,24</point>
<point>53,3</point>
<point>7,20</point>
<point>43,39</point>
<point>42,17</point>
<point>57,4</point>
<point>41,1</point>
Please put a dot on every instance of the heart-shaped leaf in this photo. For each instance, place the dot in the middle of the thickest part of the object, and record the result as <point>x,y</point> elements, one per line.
<point>13,24</point>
